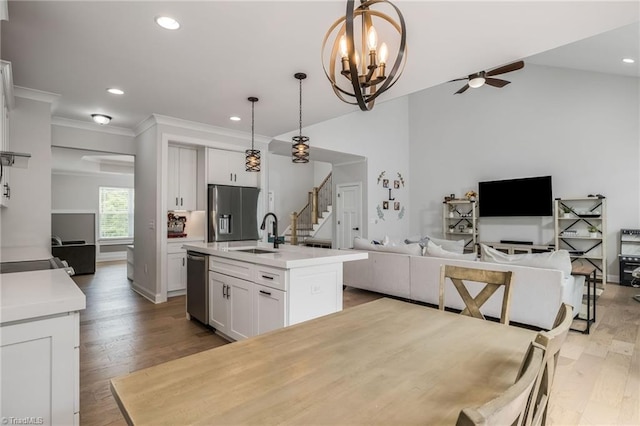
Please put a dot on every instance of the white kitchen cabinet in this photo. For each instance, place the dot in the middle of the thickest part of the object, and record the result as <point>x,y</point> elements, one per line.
<point>176,269</point>
<point>269,306</point>
<point>228,168</point>
<point>41,369</point>
<point>230,306</point>
<point>182,178</point>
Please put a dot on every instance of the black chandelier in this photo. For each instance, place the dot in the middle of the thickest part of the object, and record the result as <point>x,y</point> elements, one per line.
<point>355,55</point>
<point>300,148</point>
<point>252,157</point>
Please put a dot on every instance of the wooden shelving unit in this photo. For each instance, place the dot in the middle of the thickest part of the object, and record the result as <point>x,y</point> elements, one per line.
<point>572,218</point>
<point>460,221</point>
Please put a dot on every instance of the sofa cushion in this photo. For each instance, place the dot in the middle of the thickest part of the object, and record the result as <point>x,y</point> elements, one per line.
<point>558,259</point>
<point>437,251</point>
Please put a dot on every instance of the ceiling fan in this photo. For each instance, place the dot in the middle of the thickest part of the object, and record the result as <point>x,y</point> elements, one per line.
<point>485,77</point>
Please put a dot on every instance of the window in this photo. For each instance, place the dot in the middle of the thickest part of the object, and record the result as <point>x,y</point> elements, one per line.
<point>116,213</point>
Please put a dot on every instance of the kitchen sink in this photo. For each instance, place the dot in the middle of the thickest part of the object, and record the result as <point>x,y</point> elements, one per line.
<point>256,251</point>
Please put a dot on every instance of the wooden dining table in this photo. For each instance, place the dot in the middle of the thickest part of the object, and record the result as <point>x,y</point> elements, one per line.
<point>383,362</point>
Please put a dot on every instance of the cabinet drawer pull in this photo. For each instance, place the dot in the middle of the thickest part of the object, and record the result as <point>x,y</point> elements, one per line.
<point>176,201</point>
<point>181,201</point>
<point>267,277</point>
<point>231,177</point>
<point>267,293</point>
<point>224,293</point>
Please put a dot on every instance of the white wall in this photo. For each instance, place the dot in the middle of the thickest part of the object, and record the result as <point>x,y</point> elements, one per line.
<point>381,135</point>
<point>27,221</point>
<point>81,192</point>
<point>579,127</point>
<point>290,184</point>
<point>64,135</point>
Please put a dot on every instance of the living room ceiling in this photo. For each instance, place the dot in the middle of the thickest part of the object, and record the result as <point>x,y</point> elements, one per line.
<point>226,51</point>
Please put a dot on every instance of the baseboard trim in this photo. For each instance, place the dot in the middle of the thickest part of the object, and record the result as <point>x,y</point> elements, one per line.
<point>151,297</point>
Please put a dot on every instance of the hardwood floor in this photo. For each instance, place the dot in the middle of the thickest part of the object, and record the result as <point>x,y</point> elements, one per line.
<point>597,381</point>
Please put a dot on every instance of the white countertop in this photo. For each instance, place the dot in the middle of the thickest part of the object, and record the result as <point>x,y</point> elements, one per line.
<point>285,257</point>
<point>28,295</point>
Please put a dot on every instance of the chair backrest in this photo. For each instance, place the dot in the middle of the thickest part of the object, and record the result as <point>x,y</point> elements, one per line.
<point>552,341</point>
<point>493,279</point>
<point>508,408</point>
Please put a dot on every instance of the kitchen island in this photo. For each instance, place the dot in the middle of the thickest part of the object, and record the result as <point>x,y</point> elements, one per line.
<point>253,289</point>
<point>39,345</point>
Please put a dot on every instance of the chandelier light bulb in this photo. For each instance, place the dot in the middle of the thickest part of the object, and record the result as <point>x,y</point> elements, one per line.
<point>384,53</point>
<point>372,38</point>
<point>343,47</point>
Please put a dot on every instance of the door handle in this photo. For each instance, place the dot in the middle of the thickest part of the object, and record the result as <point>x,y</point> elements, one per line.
<point>228,292</point>
<point>176,201</point>
<point>180,200</point>
<point>356,228</point>
<point>224,293</point>
<point>231,177</point>
<point>183,261</point>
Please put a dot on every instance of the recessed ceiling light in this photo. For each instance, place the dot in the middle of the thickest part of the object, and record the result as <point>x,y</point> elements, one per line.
<point>115,91</point>
<point>628,61</point>
<point>101,119</point>
<point>167,22</point>
<point>234,118</point>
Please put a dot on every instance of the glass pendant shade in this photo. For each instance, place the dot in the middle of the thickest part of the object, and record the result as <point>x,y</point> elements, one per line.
<point>252,156</point>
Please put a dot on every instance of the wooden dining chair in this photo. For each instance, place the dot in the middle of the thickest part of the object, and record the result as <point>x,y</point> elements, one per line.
<point>552,341</point>
<point>493,280</point>
<point>508,408</point>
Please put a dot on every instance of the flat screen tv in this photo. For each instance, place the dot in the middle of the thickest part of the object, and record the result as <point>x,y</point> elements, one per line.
<point>516,197</point>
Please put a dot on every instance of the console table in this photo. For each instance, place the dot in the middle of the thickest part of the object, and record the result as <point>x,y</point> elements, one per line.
<point>589,272</point>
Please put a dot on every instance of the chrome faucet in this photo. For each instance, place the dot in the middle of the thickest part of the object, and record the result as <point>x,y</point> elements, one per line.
<point>276,241</point>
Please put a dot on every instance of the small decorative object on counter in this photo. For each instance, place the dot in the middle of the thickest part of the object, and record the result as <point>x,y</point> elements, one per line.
<point>175,226</point>
<point>471,195</point>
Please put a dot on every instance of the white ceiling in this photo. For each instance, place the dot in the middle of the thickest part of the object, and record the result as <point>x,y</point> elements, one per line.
<point>226,51</point>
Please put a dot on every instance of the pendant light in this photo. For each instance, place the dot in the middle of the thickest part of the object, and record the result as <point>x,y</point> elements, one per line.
<point>300,149</point>
<point>252,158</point>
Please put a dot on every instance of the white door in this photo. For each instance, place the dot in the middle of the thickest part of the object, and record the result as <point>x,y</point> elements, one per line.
<point>175,268</point>
<point>218,305</point>
<point>173,196</point>
<point>349,214</point>
<point>188,159</point>
<point>268,309</point>
<point>240,322</point>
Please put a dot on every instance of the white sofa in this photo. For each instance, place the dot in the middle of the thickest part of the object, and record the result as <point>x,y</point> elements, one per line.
<point>536,292</point>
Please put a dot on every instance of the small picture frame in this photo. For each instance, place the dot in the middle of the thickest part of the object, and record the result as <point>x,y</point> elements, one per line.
<point>385,183</point>
<point>396,205</point>
<point>396,185</point>
<point>385,205</point>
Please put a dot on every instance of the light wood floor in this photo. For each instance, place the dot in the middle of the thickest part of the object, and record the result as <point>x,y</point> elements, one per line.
<point>597,382</point>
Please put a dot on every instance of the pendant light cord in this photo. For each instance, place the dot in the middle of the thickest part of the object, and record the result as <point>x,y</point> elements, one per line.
<point>300,108</point>
<point>253,104</point>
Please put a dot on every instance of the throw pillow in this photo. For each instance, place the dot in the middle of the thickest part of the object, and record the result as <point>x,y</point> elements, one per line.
<point>362,244</point>
<point>558,259</point>
<point>412,249</point>
<point>449,245</point>
<point>437,251</point>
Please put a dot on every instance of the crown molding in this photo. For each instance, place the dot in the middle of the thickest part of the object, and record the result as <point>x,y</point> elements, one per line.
<point>85,125</point>
<point>207,128</point>
<point>36,95</point>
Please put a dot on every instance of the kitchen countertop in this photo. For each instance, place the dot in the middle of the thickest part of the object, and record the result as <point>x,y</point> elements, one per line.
<point>285,256</point>
<point>33,294</point>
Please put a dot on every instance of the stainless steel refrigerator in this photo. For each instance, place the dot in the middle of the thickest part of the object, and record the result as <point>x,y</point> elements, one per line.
<point>232,213</point>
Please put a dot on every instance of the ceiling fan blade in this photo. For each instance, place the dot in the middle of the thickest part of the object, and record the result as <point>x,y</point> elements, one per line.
<point>458,79</point>
<point>466,86</point>
<point>496,82</point>
<point>507,68</point>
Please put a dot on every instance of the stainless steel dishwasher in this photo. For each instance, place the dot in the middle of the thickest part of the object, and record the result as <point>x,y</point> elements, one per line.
<point>198,286</point>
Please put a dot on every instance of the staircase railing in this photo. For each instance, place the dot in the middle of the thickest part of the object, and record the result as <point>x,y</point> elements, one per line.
<point>319,199</point>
